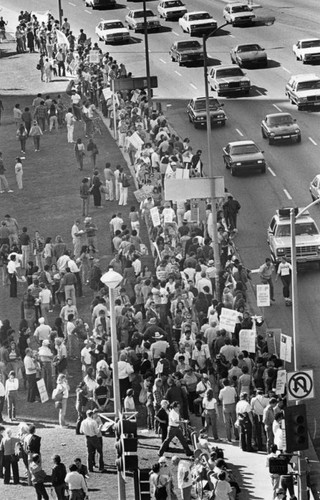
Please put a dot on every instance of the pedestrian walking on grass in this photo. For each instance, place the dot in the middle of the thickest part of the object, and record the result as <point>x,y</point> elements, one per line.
<point>27,119</point>
<point>79,152</point>
<point>22,136</point>
<point>63,389</point>
<point>93,151</point>
<point>38,477</point>
<point>4,186</point>
<point>18,170</point>
<point>85,196</point>
<point>70,121</point>
<point>58,475</point>
<point>95,189</point>
<point>17,114</point>
<point>36,133</point>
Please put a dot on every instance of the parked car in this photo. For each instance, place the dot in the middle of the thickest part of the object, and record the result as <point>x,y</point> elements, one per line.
<point>112,31</point>
<point>171,10</point>
<point>238,14</point>
<point>280,127</point>
<point>249,54</point>
<point>228,80</point>
<point>307,50</point>
<point>135,20</point>
<point>303,90</point>
<point>197,23</point>
<point>97,4</point>
<point>315,188</point>
<point>196,111</point>
<point>243,156</point>
<point>186,51</point>
<point>307,237</point>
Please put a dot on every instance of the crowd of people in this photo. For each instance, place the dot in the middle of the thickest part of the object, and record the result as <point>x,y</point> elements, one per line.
<point>175,358</point>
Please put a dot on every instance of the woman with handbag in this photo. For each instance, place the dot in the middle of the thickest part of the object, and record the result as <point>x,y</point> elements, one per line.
<point>22,136</point>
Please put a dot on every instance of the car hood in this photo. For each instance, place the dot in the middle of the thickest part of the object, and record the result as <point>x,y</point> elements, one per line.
<point>279,129</point>
<point>232,79</point>
<point>302,240</point>
<point>307,93</point>
<point>198,22</point>
<point>187,50</point>
<point>115,31</point>
<point>175,9</point>
<point>252,157</point>
<point>254,54</point>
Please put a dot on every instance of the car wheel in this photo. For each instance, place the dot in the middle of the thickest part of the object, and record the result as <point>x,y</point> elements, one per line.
<point>189,118</point>
<point>299,138</point>
<point>233,171</point>
<point>223,123</point>
<point>263,133</point>
<point>263,170</point>
<point>196,125</point>
<point>172,59</point>
<point>180,63</point>
<point>271,141</point>
<point>247,92</point>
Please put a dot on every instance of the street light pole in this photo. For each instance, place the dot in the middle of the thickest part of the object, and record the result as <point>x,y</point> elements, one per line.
<point>211,170</point>
<point>302,478</point>
<point>146,48</point>
<point>60,12</point>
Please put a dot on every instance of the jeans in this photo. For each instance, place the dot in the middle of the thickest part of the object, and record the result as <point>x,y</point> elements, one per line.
<point>70,293</point>
<point>13,285</point>
<point>63,411</point>
<point>229,417</point>
<point>174,432</point>
<point>85,206</point>
<point>25,255</point>
<point>3,183</point>
<point>11,404</point>
<point>10,463</point>
<point>270,283</point>
<point>32,387</point>
<point>246,437</point>
<point>60,491</point>
<point>41,491</point>
<point>93,445</point>
<point>211,420</point>
<point>36,142</point>
<point>286,281</point>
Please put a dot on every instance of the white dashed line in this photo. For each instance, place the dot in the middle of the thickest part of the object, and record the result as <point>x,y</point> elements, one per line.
<point>288,195</point>
<point>277,107</point>
<point>164,62</point>
<point>177,72</point>
<point>73,4</point>
<point>231,36</point>
<point>285,69</point>
<point>239,132</point>
<point>175,33</point>
<point>272,172</point>
<point>88,12</point>
<point>313,142</point>
<point>193,86</point>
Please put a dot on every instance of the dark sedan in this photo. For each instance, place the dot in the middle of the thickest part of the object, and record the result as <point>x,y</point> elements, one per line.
<point>250,54</point>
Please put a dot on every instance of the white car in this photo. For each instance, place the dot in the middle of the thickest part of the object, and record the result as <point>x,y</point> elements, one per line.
<point>197,23</point>
<point>135,20</point>
<point>171,9</point>
<point>304,90</point>
<point>228,80</point>
<point>112,31</point>
<point>238,14</point>
<point>315,188</point>
<point>307,50</point>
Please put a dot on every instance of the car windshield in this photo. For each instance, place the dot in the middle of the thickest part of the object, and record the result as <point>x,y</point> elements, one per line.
<point>201,15</point>
<point>173,3</point>
<point>240,8</point>
<point>312,84</point>
<point>225,73</point>
<point>201,105</point>
<point>305,228</point>
<point>139,13</point>
<point>310,43</point>
<point>249,48</point>
<point>280,120</point>
<point>112,26</point>
<point>244,149</point>
<point>193,44</point>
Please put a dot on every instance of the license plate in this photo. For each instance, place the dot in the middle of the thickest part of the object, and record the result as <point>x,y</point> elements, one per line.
<point>285,136</point>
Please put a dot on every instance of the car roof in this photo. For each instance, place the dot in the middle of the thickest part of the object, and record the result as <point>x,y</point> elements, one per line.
<point>241,143</point>
<point>278,114</point>
<point>225,66</point>
<point>111,21</point>
<point>198,12</point>
<point>308,39</point>
<point>307,76</point>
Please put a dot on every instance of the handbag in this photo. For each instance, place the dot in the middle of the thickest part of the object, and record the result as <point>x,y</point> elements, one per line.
<point>57,396</point>
<point>38,66</point>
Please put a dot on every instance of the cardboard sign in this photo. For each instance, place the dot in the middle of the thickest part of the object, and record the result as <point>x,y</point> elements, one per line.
<point>182,173</point>
<point>229,318</point>
<point>94,57</point>
<point>167,215</point>
<point>247,340</point>
<point>263,295</point>
<point>155,217</point>
<point>273,340</point>
<point>42,390</point>
<point>140,195</point>
<point>285,348</point>
<point>281,381</point>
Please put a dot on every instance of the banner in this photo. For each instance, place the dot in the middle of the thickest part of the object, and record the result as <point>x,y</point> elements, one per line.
<point>263,295</point>
<point>285,348</point>
<point>62,39</point>
<point>229,318</point>
<point>247,340</point>
<point>94,57</point>
<point>281,381</point>
<point>154,213</point>
<point>42,391</point>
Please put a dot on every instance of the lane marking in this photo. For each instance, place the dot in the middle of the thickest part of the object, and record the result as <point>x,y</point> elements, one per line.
<point>164,62</point>
<point>232,36</point>
<point>288,195</point>
<point>88,12</point>
<point>73,4</point>
<point>239,132</point>
<point>175,33</point>
<point>313,142</point>
<point>277,107</point>
<point>193,86</point>
<point>272,172</point>
<point>177,72</point>
<point>285,69</point>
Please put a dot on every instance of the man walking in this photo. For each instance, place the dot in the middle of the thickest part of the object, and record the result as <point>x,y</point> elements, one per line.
<point>184,477</point>
<point>267,419</point>
<point>60,57</point>
<point>4,186</point>
<point>231,208</point>
<point>90,429</point>
<point>284,271</point>
<point>70,120</point>
<point>12,272</point>
<point>265,272</point>
<point>228,397</point>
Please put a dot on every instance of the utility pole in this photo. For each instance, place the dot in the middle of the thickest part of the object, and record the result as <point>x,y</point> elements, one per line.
<point>60,12</point>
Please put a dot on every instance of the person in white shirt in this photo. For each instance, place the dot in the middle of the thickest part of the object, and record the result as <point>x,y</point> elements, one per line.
<point>11,391</point>
<point>184,476</point>
<point>284,271</point>
<point>76,483</point>
<point>244,417</point>
<point>175,431</point>
<point>45,298</point>
<point>160,345</point>
<point>125,369</point>
<point>12,273</point>
<point>42,332</point>
<point>210,407</point>
<point>70,120</point>
<point>91,430</point>
<point>228,397</point>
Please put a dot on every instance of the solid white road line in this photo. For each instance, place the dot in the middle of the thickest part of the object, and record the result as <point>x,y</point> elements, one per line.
<point>285,69</point>
<point>73,4</point>
<point>272,172</point>
<point>164,62</point>
<point>193,86</point>
<point>177,72</point>
<point>88,12</point>
<point>239,132</point>
<point>175,33</point>
<point>288,195</point>
<point>277,107</point>
<point>313,142</point>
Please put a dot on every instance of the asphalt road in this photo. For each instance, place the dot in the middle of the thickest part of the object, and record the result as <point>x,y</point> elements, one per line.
<point>290,167</point>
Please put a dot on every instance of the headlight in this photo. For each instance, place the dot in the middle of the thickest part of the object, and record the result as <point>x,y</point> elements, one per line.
<point>223,85</point>
<point>297,131</point>
<point>238,163</point>
<point>280,251</point>
<point>302,99</point>
<point>260,161</point>
<point>272,134</point>
<point>219,117</point>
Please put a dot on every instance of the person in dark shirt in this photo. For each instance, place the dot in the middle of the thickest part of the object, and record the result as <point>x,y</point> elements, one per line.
<point>162,416</point>
<point>82,469</point>
<point>58,475</point>
<point>101,395</point>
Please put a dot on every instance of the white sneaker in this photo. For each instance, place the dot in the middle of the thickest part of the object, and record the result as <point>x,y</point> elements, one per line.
<point>10,191</point>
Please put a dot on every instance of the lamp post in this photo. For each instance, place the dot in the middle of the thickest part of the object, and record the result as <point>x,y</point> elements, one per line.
<point>302,479</point>
<point>112,280</point>
<point>146,48</point>
<point>60,12</point>
<point>211,172</point>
